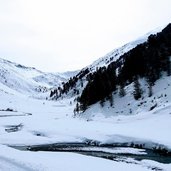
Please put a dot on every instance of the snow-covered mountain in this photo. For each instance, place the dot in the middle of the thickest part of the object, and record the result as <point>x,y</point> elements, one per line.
<point>80,79</point>
<point>27,79</point>
<point>149,61</point>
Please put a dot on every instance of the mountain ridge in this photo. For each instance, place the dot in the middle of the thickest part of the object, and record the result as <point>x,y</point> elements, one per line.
<point>28,80</point>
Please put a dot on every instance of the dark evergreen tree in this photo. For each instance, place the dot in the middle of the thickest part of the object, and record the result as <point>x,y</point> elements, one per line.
<point>111,99</point>
<point>150,90</point>
<point>51,93</point>
<point>77,108</point>
<point>122,92</point>
<point>81,83</point>
<point>150,85</point>
<point>168,65</point>
<point>102,102</point>
<point>137,89</point>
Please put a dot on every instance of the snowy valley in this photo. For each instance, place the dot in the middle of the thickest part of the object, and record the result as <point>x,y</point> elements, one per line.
<point>43,132</point>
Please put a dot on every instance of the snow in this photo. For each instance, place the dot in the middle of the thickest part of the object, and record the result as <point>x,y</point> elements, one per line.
<point>116,150</point>
<point>68,74</point>
<point>47,122</point>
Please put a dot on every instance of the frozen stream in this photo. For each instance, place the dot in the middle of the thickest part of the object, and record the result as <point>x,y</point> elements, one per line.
<point>105,151</point>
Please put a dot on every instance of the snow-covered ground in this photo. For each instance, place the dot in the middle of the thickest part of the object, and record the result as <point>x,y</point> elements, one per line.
<point>47,122</point>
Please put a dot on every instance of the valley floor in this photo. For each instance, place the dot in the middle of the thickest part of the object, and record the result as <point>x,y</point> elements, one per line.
<point>28,121</point>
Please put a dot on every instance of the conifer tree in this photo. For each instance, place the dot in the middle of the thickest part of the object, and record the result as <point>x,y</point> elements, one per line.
<point>111,100</point>
<point>122,92</point>
<point>137,89</point>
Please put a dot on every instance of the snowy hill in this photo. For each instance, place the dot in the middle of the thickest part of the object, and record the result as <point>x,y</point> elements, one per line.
<point>79,81</point>
<point>127,106</point>
<point>27,79</point>
<point>149,61</point>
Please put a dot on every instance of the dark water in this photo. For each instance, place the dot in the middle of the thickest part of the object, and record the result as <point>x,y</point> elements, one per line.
<point>82,148</point>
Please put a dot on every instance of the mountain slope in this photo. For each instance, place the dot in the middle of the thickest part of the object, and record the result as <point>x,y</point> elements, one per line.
<point>148,60</point>
<point>77,83</point>
<point>27,79</point>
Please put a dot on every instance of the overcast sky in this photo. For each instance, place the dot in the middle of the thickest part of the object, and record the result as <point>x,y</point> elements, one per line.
<point>61,35</point>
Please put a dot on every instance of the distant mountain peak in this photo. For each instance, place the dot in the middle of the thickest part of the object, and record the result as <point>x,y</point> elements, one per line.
<point>28,80</point>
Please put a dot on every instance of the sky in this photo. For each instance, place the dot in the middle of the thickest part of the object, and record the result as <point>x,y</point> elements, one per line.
<point>63,35</point>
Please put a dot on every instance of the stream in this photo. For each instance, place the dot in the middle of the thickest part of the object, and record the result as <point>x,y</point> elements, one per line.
<point>105,151</point>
